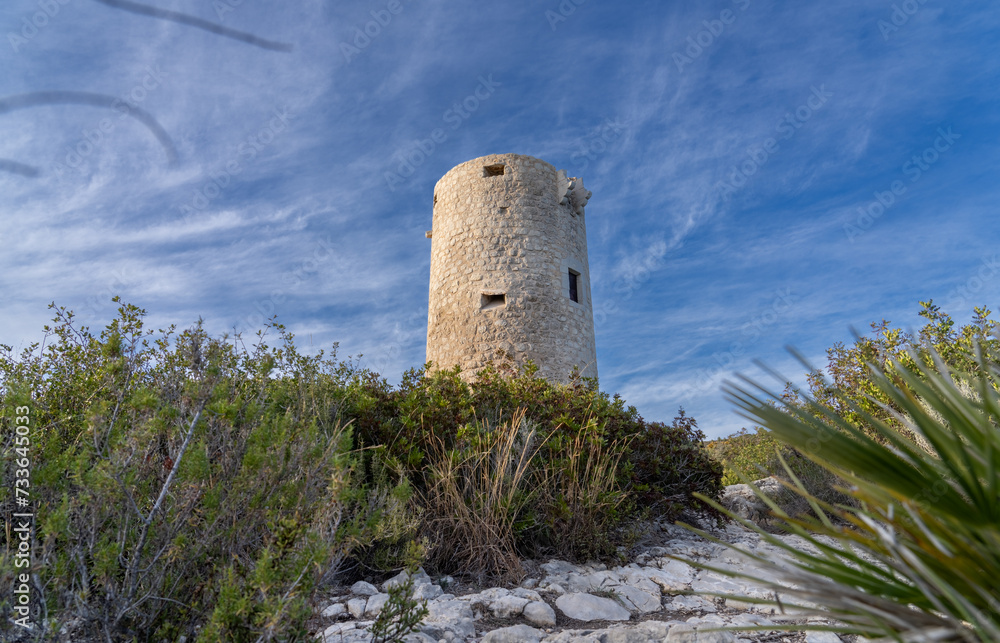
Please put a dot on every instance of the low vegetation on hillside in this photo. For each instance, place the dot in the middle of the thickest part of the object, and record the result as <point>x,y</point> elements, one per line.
<point>847,388</point>
<point>189,485</point>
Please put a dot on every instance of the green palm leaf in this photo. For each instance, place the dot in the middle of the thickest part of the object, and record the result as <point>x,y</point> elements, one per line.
<point>918,557</point>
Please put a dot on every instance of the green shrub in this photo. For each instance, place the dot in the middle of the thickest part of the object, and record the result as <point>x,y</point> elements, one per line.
<point>190,486</point>
<point>918,556</point>
<point>385,520</point>
<point>635,467</point>
<point>846,387</point>
<point>751,456</point>
<point>747,455</point>
<point>662,464</point>
<point>176,482</point>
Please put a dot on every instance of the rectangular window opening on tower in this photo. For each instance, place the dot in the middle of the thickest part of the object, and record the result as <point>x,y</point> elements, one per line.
<point>494,170</point>
<point>574,288</point>
<point>490,301</point>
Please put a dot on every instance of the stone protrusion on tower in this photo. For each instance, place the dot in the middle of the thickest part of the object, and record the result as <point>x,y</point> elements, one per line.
<point>509,272</point>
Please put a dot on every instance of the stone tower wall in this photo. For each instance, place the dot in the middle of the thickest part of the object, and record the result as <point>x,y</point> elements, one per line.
<point>510,225</point>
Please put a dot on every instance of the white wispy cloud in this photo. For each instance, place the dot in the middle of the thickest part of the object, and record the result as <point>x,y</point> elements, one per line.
<point>308,227</point>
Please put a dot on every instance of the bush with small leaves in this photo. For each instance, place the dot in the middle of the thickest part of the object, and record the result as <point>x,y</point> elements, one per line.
<point>597,465</point>
<point>402,613</point>
<point>179,481</point>
<point>187,485</point>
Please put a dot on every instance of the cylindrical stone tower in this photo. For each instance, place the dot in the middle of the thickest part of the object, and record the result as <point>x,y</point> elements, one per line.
<point>509,269</point>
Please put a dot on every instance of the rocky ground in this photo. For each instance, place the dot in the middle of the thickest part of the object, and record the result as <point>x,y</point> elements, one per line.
<point>645,600</point>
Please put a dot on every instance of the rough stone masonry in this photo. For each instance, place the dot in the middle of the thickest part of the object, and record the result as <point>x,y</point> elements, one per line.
<point>509,269</point>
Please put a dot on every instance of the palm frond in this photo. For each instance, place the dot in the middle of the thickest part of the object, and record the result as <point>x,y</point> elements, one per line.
<point>918,557</point>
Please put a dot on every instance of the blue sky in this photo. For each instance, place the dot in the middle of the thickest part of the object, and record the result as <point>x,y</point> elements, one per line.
<point>763,173</point>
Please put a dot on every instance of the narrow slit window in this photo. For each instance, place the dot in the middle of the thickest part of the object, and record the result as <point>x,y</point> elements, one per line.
<point>494,170</point>
<point>491,301</point>
<point>574,287</point>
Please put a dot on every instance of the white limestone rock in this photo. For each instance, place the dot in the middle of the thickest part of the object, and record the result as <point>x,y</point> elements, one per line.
<point>743,502</point>
<point>603,579</point>
<point>633,589</point>
<point>427,591</point>
<point>685,633</point>
<point>587,607</point>
<point>574,636</point>
<point>822,637</point>
<point>713,620</point>
<point>540,614</point>
<point>558,567</point>
<point>516,634</point>
<point>356,606</point>
<point>672,575</point>
<point>713,584</point>
<point>419,578</point>
<point>361,588</point>
<point>555,588</point>
<point>737,604</point>
<point>529,594</point>
<point>446,616</point>
<point>691,603</point>
<point>645,632</point>
<point>335,610</point>
<point>337,629</point>
<point>418,637</point>
<point>508,606</point>
<point>639,600</point>
<point>750,618</point>
<point>375,604</point>
<point>345,633</point>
